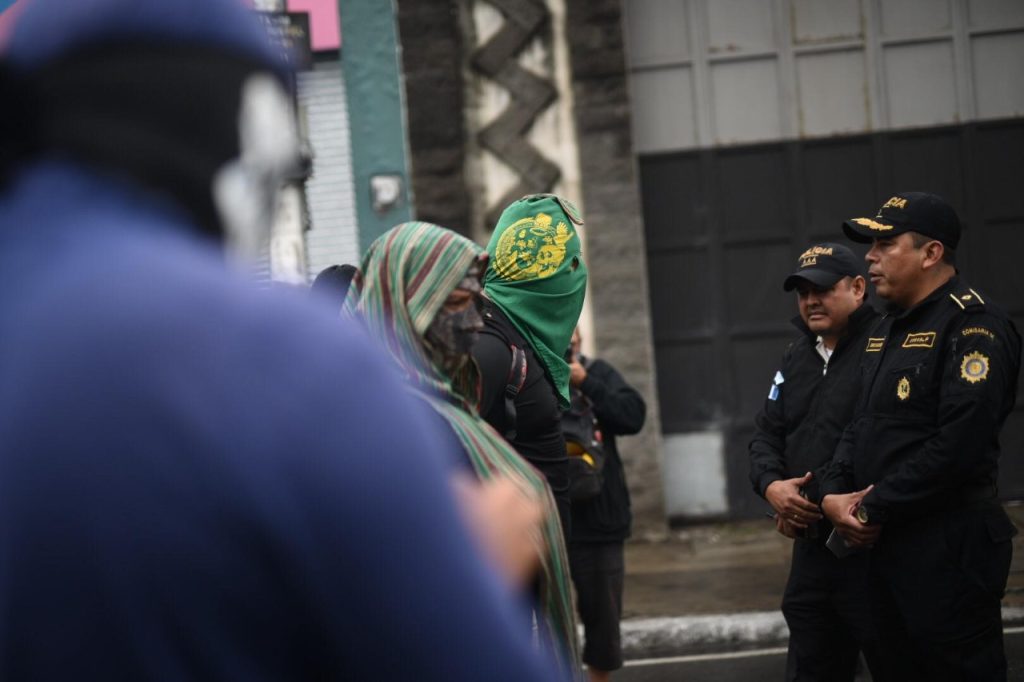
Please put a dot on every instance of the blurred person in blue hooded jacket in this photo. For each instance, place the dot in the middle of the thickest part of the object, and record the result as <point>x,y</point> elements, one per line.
<point>193,483</point>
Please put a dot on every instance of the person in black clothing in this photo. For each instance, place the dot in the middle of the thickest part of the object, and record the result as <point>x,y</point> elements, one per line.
<point>601,525</point>
<point>333,283</point>
<point>811,400</point>
<point>533,295</point>
<point>915,473</point>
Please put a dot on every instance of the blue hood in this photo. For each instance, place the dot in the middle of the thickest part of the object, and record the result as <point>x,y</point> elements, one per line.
<point>48,29</point>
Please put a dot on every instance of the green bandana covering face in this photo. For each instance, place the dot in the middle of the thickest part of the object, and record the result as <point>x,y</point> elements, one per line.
<point>537,277</point>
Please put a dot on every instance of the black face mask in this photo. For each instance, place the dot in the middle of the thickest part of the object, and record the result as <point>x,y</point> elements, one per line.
<point>451,336</point>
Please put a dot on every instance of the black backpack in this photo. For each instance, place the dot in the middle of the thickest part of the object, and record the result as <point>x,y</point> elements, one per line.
<point>583,441</point>
<point>585,447</point>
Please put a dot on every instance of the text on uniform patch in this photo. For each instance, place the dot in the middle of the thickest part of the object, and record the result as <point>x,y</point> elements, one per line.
<point>919,340</point>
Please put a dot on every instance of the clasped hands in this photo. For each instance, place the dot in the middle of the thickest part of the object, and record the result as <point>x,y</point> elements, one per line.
<point>793,512</point>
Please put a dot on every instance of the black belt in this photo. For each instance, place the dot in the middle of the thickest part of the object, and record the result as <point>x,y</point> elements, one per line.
<point>982,493</point>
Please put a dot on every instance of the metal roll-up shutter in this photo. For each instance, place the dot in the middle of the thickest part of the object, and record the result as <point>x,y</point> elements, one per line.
<point>760,125</point>
<point>333,235</point>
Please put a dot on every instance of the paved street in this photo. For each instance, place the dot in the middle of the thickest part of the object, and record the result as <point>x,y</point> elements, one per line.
<point>762,664</point>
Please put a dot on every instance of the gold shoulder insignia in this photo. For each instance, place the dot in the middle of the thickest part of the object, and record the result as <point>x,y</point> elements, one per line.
<point>974,368</point>
<point>874,344</point>
<point>968,299</point>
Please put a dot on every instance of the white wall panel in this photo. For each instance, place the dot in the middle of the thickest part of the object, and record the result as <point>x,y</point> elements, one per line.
<point>819,21</point>
<point>901,18</point>
<point>998,62</point>
<point>833,93</point>
<point>657,31</point>
<point>763,70</point>
<point>333,236</point>
<point>654,94</point>
<point>694,471</point>
<point>995,13</point>
<point>740,26</point>
<point>920,85</point>
<point>746,101</point>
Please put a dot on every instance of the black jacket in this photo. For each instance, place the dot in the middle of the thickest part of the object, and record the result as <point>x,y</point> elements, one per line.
<point>805,413</point>
<point>538,424</point>
<point>938,382</point>
<point>620,411</point>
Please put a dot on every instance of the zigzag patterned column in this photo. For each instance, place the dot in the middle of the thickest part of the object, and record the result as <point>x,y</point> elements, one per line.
<point>505,137</point>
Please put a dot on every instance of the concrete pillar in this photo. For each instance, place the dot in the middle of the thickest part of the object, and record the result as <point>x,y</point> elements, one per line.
<point>615,236</point>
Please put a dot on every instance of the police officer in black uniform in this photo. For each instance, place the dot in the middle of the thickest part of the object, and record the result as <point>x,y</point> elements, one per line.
<point>811,400</point>
<point>914,476</point>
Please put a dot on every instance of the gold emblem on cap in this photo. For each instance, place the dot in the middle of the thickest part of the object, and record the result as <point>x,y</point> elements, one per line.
<point>895,202</point>
<point>903,388</point>
<point>862,514</point>
<point>871,224</point>
<point>531,248</point>
<point>810,256</point>
<point>974,368</point>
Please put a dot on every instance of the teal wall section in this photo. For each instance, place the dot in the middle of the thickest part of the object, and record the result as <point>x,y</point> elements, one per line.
<point>370,61</point>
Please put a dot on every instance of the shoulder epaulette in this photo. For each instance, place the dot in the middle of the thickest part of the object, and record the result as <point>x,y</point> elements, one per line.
<point>968,299</point>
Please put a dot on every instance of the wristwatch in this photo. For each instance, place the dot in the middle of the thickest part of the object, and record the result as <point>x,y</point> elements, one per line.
<point>862,514</point>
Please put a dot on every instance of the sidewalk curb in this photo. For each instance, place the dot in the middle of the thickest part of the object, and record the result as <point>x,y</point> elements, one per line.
<point>646,637</point>
<point>651,637</point>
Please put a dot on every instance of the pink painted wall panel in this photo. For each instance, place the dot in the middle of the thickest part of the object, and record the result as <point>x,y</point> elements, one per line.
<point>7,18</point>
<point>325,28</point>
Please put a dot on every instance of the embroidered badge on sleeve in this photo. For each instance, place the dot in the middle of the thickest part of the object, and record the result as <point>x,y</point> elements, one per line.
<point>974,367</point>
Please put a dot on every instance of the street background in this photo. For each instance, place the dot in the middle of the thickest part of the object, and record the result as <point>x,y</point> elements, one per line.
<point>707,598</point>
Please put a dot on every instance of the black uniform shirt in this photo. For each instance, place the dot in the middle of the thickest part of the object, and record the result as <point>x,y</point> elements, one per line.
<point>807,409</point>
<point>938,381</point>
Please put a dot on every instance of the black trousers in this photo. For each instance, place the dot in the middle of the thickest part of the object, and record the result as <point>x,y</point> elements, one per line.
<point>598,573</point>
<point>826,609</point>
<point>936,586</point>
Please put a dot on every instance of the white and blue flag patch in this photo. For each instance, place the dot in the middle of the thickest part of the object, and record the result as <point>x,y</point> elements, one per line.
<point>773,394</point>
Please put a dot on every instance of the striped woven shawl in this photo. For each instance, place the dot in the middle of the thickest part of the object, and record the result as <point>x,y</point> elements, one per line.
<point>407,274</point>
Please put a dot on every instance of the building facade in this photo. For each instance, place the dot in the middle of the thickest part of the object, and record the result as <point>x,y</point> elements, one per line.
<point>706,141</point>
<point>759,125</point>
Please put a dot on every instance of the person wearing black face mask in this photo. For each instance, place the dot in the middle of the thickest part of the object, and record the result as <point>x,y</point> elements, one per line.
<point>419,295</point>
<point>450,337</point>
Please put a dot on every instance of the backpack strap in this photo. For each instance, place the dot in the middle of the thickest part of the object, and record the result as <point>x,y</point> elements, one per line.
<point>513,384</point>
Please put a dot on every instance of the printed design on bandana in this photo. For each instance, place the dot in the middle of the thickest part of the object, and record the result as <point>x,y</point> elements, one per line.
<point>919,340</point>
<point>903,388</point>
<point>974,368</point>
<point>531,248</point>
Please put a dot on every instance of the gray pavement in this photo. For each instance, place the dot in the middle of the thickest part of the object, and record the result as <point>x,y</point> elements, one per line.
<point>718,587</point>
